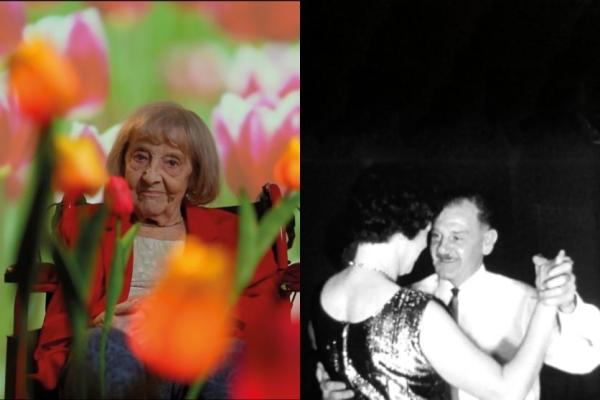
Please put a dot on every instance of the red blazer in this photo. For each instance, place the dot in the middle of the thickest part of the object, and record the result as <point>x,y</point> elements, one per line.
<point>210,225</point>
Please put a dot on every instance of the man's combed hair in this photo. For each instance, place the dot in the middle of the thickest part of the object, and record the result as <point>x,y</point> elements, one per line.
<point>382,204</point>
<point>481,201</point>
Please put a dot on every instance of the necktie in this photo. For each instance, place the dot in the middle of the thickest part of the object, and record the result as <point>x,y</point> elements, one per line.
<point>454,304</point>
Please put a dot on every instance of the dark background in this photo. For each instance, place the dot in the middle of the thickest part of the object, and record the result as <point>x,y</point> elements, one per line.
<point>504,94</point>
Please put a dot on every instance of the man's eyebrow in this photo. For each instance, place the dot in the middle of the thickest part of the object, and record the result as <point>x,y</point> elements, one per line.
<point>460,232</point>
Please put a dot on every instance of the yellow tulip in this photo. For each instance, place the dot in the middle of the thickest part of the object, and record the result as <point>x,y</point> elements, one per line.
<point>79,168</point>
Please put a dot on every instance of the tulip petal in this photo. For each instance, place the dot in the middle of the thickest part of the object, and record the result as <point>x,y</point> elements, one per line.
<point>19,139</point>
<point>248,20</point>
<point>79,168</point>
<point>189,343</point>
<point>272,71</point>
<point>87,51</point>
<point>79,129</point>
<point>42,80</point>
<point>292,84</point>
<point>253,133</point>
<point>12,21</point>
<point>270,365</point>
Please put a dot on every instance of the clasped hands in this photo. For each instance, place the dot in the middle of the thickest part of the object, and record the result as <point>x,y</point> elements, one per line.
<point>123,309</point>
<point>555,281</point>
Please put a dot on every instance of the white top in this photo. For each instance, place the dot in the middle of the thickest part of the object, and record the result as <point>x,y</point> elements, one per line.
<point>148,257</point>
<point>494,311</point>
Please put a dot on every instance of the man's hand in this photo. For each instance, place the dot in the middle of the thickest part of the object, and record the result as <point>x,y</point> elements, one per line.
<point>332,390</point>
<point>555,281</point>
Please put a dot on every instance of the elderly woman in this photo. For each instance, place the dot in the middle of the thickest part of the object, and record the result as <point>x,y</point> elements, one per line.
<point>169,160</point>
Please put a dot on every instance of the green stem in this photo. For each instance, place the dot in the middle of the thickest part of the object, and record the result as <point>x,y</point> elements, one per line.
<point>32,237</point>
<point>79,347</point>
<point>194,390</point>
<point>115,284</point>
<point>113,281</point>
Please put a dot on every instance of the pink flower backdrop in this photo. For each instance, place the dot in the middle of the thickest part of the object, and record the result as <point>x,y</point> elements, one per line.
<point>237,64</point>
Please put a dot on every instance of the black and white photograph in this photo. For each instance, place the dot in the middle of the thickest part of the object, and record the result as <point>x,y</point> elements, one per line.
<point>451,210</point>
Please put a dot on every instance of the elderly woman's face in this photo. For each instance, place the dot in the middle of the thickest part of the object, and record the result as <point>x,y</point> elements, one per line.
<point>158,176</point>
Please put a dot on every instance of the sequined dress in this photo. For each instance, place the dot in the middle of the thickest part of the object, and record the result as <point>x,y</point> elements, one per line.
<point>380,357</point>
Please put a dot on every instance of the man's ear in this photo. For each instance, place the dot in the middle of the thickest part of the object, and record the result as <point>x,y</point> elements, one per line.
<point>489,240</point>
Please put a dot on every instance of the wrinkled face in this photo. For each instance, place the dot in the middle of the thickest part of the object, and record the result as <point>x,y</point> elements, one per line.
<point>158,176</point>
<point>459,242</point>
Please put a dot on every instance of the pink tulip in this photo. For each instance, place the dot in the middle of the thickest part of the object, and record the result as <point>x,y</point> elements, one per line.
<point>12,21</point>
<point>252,135</point>
<point>19,138</point>
<point>87,51</point>
<point>273,70</point>
<point>197,71</point>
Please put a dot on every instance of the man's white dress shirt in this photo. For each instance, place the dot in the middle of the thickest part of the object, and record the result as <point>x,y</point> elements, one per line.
<point>494,311</point>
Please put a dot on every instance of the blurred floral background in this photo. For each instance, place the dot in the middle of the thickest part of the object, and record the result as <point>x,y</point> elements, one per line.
<point>236,64</point>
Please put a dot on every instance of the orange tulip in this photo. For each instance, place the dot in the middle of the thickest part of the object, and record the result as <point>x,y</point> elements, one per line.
<point>183,326</point>
<point>44,82</point>
<point>287,168</point>
<point>79,167</point>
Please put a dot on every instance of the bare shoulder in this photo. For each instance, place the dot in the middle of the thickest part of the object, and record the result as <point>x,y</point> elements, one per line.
<point>427,284</point>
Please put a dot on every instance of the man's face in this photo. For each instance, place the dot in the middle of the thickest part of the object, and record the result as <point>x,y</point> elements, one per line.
<point>459,242</point>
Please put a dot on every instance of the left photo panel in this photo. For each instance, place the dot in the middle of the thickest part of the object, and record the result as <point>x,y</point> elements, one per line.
<point>150,200</point>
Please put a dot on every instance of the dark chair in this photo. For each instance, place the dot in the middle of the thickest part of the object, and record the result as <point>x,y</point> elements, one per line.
<point>47,282</point>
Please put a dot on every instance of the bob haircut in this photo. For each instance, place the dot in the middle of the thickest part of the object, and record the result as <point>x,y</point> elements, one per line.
<point>381,204</point>
<point>167,122</point>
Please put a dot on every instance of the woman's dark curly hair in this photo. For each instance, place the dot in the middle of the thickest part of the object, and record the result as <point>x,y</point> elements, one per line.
<point>381,204</point>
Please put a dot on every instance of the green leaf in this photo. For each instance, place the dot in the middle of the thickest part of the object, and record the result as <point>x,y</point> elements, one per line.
<point>246,245</point>
<point>87,244</point>
<point>115,284</point>
<point>127,239</point>
<point>274,219</point>
<point>70,274</point>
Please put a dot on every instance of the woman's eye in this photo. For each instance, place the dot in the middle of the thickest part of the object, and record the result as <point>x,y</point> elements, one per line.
<point>139,157</point>
<point>172,163</point>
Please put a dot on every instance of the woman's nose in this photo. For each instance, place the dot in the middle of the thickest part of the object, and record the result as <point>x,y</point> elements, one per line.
<point>151,174</point>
